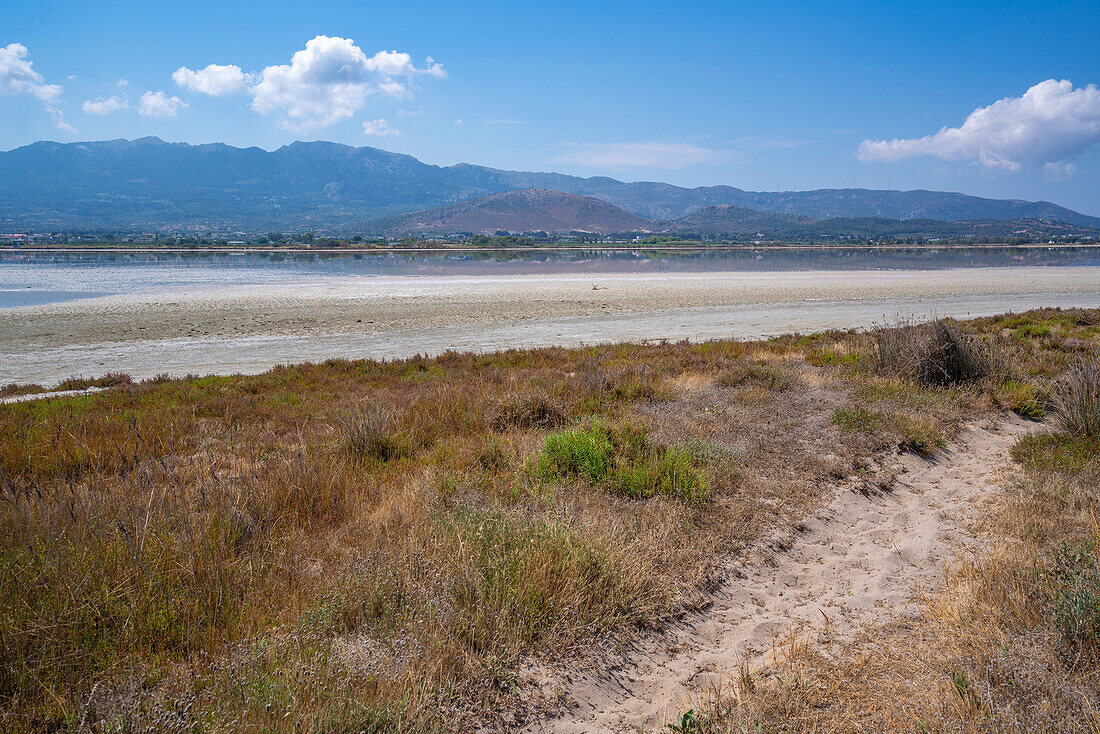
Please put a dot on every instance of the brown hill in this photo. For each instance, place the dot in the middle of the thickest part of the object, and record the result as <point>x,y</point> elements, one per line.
<point>528,210</point>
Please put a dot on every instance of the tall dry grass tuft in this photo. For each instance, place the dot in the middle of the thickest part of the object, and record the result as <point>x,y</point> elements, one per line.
<point>370,433</point>
<point>939,353</point>
<point>1076,399</point>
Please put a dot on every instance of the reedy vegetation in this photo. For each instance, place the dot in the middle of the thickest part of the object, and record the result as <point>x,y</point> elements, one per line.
<point>376,546</point>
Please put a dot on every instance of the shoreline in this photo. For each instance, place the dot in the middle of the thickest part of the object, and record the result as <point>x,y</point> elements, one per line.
<point>260,249</point>
<point>253,328</point>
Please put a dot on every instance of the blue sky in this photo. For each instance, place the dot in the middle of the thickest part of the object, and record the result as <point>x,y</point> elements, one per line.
<point>763,96</point>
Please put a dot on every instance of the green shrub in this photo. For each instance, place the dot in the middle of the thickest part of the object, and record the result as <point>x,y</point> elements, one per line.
<point>624,459</point>
<point>581,452</point>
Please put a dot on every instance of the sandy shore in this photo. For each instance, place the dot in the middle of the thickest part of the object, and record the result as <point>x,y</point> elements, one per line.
<point>251,328</point>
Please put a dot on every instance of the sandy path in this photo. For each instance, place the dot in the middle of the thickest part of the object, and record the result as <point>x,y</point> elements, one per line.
<point>854,562</point>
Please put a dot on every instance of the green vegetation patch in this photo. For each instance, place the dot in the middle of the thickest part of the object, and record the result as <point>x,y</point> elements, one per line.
<point>1023,399</point>
<point>919,435</point>
<point>624,459</point>
<point>1076,604</point>
<point>858,419</point>
<point>1058,454</point>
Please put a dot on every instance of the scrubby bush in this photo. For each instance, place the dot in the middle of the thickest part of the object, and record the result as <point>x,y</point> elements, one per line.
<point>765,375</point>
<point>939,353</point>
<point>527,411</point>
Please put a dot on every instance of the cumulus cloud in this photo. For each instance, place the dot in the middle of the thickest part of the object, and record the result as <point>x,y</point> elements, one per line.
<point>1051,122</point>
<point>379,127</point>
<point>326,82</point>
<point>215,80</point>
<point>644,155</point>
<point>159,104</point>
<point>106,105</point>
<point>17,76</point>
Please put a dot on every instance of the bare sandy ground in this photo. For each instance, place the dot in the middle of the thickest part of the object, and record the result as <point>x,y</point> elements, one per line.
<point>856,562</point>
<point>252,328</point>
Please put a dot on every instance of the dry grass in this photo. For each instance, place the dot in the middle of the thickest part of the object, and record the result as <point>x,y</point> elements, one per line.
<point>1010,643</point>
<point>365,546</point>
<point>1075,400</point>
<point>938,353</point>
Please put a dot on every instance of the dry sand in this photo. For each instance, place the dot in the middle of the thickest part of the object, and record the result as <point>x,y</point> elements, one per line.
<point>252,328</point>
<point>856,562</point>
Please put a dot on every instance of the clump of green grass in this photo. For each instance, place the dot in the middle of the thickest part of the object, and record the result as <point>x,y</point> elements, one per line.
<point>1023,399</point>
<point>1076,400</point>
<point>1076,604</point>
<point>919,435</point>
<point>828,356</point>
<point>582,452</point>
<point>622,458</point>
<point>858,419</point>
<point>1056,454</point>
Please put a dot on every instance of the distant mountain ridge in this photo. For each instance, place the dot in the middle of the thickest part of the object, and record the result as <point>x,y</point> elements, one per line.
<point>526,210</point>
<point>329,187</point>
<point>541,210</point>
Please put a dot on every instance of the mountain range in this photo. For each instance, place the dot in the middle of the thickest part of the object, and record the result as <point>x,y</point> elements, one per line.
<point>149,184</point>
<point>541,210</point>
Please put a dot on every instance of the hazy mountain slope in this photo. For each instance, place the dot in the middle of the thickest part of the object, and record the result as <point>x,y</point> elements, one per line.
<point>147,183</point>
<point>729,219</point>
<point>529,210</point>
<point>877,227</point>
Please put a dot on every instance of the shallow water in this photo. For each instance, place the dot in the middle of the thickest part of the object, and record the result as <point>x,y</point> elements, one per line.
<point>153,314</point>
<point>28,278</point>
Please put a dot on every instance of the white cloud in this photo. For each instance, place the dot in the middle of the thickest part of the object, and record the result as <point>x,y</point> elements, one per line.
<point>122,83</point>
<point>215,80</point>
<point>330,80</point>
<point>460,123</point>
<point>159,104</point>
<point>59,120</point>
<point>1059,171</point>
<point>644,155</point>
<point>379,127</point>
<point>105,106</point>
<point>17,75</point>
<point>1052,121</point>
